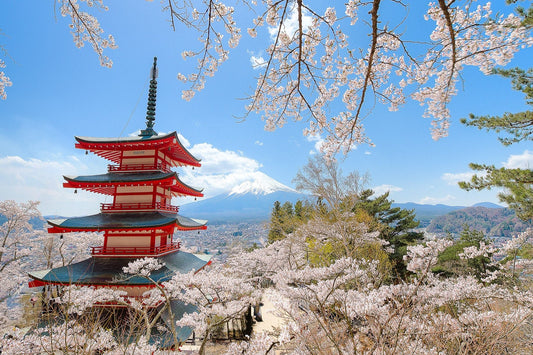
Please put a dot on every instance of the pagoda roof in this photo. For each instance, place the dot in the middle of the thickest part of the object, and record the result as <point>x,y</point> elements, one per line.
<point>108,271</point>
<point>105,183</point>
<point>125,221</point>
<point>110,148</point>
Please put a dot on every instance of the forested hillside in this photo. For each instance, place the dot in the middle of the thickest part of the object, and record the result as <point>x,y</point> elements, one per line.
<point>493,222</point>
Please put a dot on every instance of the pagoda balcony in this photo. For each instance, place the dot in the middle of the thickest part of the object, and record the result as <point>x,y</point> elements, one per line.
<point>127,207</point>
<point>130,168</point>
<point>126,252</point>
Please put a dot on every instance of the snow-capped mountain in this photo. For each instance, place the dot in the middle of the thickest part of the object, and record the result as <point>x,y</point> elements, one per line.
<point>251,201</point>
<point>261,185</point>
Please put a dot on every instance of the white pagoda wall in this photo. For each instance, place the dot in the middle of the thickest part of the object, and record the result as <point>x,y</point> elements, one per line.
<point>136,241</point>
<point>139,194</point>
<point>138,157</point>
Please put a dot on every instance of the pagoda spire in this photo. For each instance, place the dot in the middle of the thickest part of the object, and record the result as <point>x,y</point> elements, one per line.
<point>150,108</point>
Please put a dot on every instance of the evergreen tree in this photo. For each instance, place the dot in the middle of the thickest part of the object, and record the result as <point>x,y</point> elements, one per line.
<point>518,183</point>
<point>276,230</point>
<point>395,224</point>
<point>286,218</point>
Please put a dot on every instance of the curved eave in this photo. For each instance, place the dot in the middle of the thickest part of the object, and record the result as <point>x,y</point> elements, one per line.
<point>182,188</point>
<point>187,224</point>
<point>100,143</point>
<point>58,228</point>
<point>179,154</point>
<point>108,271</point>
<point>110,148</point>
<point>125,222</point>
<point>106,183</point>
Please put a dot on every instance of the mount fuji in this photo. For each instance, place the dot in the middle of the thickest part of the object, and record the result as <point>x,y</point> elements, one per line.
<point>251,201</point>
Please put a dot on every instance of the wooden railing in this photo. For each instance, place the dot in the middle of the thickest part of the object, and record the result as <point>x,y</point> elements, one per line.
<point>118,207</point>
<point>134,251</point>
<point>137,167</point>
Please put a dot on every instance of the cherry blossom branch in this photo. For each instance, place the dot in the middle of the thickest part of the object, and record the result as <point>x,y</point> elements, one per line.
<point>86,28</point>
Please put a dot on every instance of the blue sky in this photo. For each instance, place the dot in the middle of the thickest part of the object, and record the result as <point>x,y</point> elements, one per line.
<point>60,91</point>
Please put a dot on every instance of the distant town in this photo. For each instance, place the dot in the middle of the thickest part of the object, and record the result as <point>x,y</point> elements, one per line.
<point>221,240</point>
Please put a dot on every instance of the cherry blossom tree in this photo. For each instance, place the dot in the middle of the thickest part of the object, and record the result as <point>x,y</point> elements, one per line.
<point>344,308</point>
<point>316,69</point>
<point>24,248</point>
<point>340,305</point>
<point>312,62</point>
<point>17,244</point>
<point>219,294</point>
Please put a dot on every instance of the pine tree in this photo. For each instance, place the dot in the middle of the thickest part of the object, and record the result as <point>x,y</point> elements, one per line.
<point>276,231</point>
<point>395,224</point>
<point>518,183</point>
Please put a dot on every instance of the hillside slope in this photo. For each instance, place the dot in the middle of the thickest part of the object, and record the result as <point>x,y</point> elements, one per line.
<point>493,222</point>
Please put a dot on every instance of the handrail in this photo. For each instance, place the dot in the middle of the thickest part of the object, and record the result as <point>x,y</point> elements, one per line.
<point>138,167</point>
<point>134,206</point>
<point>137,251</point>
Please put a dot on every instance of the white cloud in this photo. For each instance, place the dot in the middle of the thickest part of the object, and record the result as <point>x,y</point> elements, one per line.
<point>290,25</point>
<point>319,141</point>
<point>368,153</point>
<point>33,179</point>
<point>258,62</point>
<point>221,170</point>
<point>184,141</point>
<point>453,179</point>
<point>522,161</point>
<point>436,200</point>
<point>381,189</point>
<point>259,143</point>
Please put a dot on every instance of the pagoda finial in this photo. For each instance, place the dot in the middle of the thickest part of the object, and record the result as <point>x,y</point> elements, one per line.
<point>150,108</point>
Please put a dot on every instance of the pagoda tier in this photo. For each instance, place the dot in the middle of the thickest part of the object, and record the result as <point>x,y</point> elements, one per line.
<point>131,221</point>
<point>144,152</point>
<point>104,271</point>
<point>132,234</point>
<point>139,222</point>
<point>163,184</point>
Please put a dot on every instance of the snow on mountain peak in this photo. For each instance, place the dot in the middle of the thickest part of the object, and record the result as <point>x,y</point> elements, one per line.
<point>261,184</point>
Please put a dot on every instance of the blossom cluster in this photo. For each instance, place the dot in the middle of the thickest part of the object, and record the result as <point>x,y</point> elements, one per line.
<point>86,28</point>
<point>4,81</point>
<point>345,308</point>
<point>313,64</point>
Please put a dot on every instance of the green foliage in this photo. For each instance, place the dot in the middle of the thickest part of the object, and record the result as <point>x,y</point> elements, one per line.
<point>493,222</point>
<point>518,183</point>
<point>320,253</point>
<point>526,14</point>
<point>395,225</point>
<point>324,252</point>
<point>450,264</point>
<point>526,252</point>
<point>518,126</point>
<point>285,218</point>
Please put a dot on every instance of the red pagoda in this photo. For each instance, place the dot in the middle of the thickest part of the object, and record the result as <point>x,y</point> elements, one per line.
<point>141,221</point>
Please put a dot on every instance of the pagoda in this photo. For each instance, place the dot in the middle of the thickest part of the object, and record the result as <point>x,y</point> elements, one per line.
<point>141,221</point>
